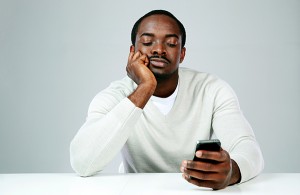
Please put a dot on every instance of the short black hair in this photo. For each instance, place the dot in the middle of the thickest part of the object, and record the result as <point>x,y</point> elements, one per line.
<point>158,12</point>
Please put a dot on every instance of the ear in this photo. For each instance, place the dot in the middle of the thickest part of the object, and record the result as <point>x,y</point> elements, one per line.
<point>182,54</point>
<point>132,48</point>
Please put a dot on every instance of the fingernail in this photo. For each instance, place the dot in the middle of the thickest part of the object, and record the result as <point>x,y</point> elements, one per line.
<point>198,154</point>
<point>184,163</point>
<point>182,169</point>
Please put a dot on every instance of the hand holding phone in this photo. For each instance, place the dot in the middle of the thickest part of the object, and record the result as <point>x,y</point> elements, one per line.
<point>214,167</point>
<point>210,145</point>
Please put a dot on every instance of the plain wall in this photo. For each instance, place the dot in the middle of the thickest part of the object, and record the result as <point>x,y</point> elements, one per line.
<point>55,56</point>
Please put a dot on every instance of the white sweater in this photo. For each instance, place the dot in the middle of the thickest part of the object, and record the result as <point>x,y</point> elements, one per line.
<point>150,141</point>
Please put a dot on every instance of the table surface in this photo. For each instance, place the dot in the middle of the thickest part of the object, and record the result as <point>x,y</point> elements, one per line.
<point>138,183</point>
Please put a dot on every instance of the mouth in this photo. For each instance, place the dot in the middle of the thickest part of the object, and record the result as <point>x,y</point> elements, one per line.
<point>158,62</point>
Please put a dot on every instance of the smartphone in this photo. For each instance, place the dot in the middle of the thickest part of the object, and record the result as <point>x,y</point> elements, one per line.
<point>211,145</point>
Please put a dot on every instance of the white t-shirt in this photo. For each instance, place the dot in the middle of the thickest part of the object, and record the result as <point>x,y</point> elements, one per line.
<point>165,104</point>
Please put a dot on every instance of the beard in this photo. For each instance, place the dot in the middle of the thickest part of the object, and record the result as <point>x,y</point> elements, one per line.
<point>164,76</point>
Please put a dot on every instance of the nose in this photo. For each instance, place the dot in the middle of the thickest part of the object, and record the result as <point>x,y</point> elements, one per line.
<point>158,49</point>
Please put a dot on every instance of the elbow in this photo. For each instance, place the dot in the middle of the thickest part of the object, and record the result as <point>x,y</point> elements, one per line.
<point>79,168</point>
<point>249,159</point>
<point>80,163</point>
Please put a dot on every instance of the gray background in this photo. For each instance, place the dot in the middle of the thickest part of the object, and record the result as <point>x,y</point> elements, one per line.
<point>55,56</point>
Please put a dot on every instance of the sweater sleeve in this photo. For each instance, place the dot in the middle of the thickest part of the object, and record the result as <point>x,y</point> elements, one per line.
<point>110,119</point>
<point>235,133</point>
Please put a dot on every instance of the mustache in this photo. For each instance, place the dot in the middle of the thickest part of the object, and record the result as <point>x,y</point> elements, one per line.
<point>159,57</point>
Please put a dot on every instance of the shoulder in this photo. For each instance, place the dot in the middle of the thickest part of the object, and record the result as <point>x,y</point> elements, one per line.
<point>211,84</point>
<point>115,92</point>
<point>124,87</point>
<point>204,79</point>
<point>109,97</point>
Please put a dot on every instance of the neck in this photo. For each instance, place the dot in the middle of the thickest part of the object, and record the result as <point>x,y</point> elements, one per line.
<point>166,86</point>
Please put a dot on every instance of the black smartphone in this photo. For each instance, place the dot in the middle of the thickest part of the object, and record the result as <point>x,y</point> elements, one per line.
<point>211,145</point>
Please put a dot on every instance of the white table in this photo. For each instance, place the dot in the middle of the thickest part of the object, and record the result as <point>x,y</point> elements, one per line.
<point>141,184</point>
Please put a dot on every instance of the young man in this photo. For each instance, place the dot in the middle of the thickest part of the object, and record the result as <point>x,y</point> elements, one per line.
<point>157,113</point>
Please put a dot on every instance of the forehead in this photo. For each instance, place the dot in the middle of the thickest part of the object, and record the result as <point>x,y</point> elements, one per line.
<point>159,24</point>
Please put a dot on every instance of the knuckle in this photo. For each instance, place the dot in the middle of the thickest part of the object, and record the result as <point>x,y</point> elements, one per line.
<point>202,176</point>
<point>225,155</point>
<point>196,175</point>
<point>187,171</point>
<point>190,164</point>
<point>208,166</point>
<point>222,177</point>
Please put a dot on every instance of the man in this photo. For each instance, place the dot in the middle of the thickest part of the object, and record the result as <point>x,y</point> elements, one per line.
<point>157,113</point>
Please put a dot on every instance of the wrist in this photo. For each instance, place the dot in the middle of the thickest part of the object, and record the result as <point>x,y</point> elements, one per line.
<point>142,94</point>
<point>235,173</point>
<point>148,87</point>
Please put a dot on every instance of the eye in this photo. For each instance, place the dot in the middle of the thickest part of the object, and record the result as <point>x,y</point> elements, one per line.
<point>147,44</point>
<point>171,44</point>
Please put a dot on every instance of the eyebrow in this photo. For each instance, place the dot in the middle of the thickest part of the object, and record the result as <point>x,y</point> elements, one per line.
<point>147,34</point>
<point>167,35</point>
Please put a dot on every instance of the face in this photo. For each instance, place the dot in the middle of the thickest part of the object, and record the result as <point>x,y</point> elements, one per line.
<point>159,38</point>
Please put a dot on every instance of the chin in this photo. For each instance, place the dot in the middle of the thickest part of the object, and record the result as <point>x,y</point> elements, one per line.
<point>163,76</point>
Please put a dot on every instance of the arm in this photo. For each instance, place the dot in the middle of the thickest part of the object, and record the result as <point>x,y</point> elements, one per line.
<point>241,158</point>
<point>236,134</point>
<point>138,71</point>
<point>111,116</point>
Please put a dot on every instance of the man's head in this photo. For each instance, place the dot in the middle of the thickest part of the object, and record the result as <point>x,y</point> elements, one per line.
<point>161,37</point>
<point>158,12</point>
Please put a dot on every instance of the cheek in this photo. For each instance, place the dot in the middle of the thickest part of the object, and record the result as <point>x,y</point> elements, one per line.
<point>175,56</point>
<point>142,48</point>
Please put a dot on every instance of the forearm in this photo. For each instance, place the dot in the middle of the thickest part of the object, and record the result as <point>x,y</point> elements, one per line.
<point>238,139</point>
<point>100,139</point>
<point>142,94</point>
<point>248,156</point>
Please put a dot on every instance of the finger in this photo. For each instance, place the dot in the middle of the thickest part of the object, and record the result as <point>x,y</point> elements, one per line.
<point>202,175</point>
<point>202,166</point>
<point>198,182</point>
<point>219,156</point>
<point>131,53</point>
<point>136,55</point>
<point>144,59</point>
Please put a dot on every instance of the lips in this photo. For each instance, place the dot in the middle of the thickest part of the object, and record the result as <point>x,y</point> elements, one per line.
<point>158,62</point>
